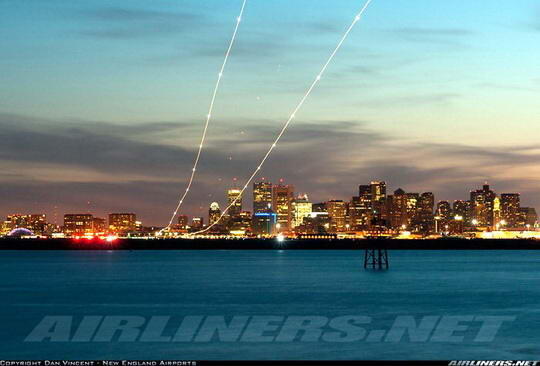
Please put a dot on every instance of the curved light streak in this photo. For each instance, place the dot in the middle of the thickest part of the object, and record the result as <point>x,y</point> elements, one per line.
<point>291,117</point>
<point>208,116</point>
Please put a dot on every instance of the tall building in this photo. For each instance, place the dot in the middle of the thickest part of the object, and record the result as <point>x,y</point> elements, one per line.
<point>78,224</point>
<point>397,209</point>
<point>378,191</point>
<point>359,213</point>
<point>463,209</point>
<point>426,205</point>
<point>413,210</point>
<point>511,209</point>
<point>282,197</point>
<point>378,200</point>
<point>262,196</point>
<point>444,210</point>
<point>214,213</point>
<point>302,208</point>
<point>234,195</point>
<point>337,212</point>
<point>243,224</point>
<point>529,217</point>
<point>264,223</point>
<point>361,208</point>
<point>482,201</point>
<point>122,223</point>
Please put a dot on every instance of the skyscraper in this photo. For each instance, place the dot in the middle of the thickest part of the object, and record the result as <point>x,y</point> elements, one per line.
<point>264,223</point>
<point>529,217</point>
<point>262,196</point>
<point>214,213</point>
<point>444,211</point>
<point>397,209</point>
<point>378,200</point>
<point>482,206</point>
<point>510,209</point>
<point>426,206</point>
<point>337,212</point>
<point>282,198</point>
<point>232,195</point>
<point>302,208</point>
<point>463,209</point>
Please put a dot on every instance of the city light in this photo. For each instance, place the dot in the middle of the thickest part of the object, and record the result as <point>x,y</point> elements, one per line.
<point>280,213</point>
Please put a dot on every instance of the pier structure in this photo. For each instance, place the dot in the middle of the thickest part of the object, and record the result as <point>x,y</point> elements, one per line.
<point>376,259</point>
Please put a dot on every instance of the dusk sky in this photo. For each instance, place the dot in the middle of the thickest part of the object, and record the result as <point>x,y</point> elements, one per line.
<point>102,102</point>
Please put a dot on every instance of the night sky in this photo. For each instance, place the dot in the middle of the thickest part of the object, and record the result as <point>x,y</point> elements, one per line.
<point>102,102</point>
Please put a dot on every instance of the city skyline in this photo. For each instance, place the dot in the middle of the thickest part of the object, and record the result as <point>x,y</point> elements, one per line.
<point>277,209</point>
<point>102,104</point>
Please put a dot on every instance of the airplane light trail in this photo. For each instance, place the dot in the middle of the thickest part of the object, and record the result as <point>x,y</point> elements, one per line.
<point>291,117</point>
<point>209,115</point>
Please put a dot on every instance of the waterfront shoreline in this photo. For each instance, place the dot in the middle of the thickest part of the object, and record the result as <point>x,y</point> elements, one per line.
<point>267,244</point>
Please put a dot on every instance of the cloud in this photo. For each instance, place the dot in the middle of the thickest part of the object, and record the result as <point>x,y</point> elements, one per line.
<point>135,167</point>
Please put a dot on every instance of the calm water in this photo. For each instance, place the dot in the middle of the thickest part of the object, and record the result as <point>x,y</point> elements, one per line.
<point>323,283</point>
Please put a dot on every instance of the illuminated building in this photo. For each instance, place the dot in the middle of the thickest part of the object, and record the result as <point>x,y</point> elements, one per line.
<point>456,226</point>
<point>337,212</point>
<point>511,209</point>
<point>378,191</point>
<point>99,225</point>
<point>426,205</point>
<point>482,206</point>
<point>78,224</point>
<point>301,208</point>
<point>444,210</point>
<point>319,207</point>
<point>318,222</point>
<point>359,216</point>
<point>197,223</point>
<point>282,197</point>
<point>529,218</point>
<point>497,216</point>
<point>361,208</point>
<point>214,213</point>
<point>413,211</point>
<point>262,196</point>
<point>397,209</point>
<point>264,223</point>
<point>232,195</point>
<point>37,223</point>
<point>122,223</point>
<point>242,224</point>
<point>463,209</point>
<point>378,200</point>
<point>183,222</point>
